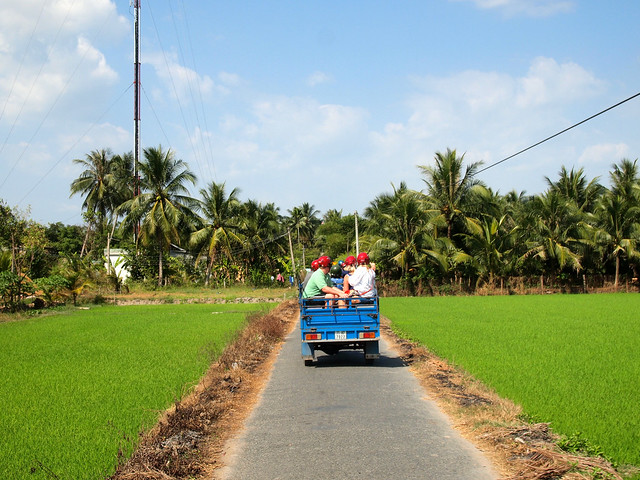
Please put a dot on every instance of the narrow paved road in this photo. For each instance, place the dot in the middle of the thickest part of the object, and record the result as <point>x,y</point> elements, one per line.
<point>343,420</point>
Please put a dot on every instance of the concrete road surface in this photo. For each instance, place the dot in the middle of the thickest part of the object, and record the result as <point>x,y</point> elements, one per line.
<point>341,419</point>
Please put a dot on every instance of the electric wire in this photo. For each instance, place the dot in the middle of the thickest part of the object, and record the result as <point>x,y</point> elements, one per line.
<point>211,163</point>
<point>172,82</point>
<point>62,157</point>
<point>156,116</point>
<point>33,84</point>
<point>189,80</point>
<point>557,134</point>
<point>24,56</point>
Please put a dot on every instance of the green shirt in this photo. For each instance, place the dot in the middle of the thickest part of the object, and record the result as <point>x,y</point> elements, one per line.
<point>316,283</point>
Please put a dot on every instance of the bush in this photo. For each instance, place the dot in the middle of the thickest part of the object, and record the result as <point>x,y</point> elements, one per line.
<point>52,288</point>
<point>13,288</point>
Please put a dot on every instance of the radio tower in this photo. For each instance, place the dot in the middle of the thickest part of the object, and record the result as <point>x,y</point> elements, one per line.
<point>136,103</point>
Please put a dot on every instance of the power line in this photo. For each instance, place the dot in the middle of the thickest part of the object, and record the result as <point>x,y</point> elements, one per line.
<point>173,84</point>
<point>556,134</point>
<point>74,145</point>
<point>35,80</point>
<point>24,56</point>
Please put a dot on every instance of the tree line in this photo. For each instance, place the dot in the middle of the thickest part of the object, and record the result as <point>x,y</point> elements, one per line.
<point>456,227</point>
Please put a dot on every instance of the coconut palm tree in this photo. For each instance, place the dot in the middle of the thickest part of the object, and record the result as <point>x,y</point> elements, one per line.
<point>398,222</point>
<point>625,180</point>
<point>304,220</point>
<point>95,183</point>
<point>555,234</point>
<point>489,246</point>
<point>448,187</point>
<point>618,228</point>
<point>164,204</point>
<point>261,233</point>
<point>574,186</point>
<point>219,224</point>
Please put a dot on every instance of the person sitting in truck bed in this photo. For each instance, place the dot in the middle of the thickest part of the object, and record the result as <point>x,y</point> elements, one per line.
<point>363,281</point>
<point>307,277</point>
<point>320,284</point>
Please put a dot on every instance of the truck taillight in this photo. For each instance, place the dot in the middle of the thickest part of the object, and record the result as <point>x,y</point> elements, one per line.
<point>367,335</point>
<point>313,336</point>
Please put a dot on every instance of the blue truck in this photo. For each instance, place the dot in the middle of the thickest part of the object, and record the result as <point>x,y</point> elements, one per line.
<point>328,327</point>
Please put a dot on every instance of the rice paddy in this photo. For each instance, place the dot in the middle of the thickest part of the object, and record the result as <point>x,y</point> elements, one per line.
<point>571,360</point>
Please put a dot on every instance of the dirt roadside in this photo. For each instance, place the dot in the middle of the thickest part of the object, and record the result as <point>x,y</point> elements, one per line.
<point>188,441</point>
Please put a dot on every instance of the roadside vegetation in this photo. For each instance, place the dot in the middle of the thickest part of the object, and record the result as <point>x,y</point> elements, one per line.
<point>567,360</point>
<point>455,236</point>
<point>78,386</point>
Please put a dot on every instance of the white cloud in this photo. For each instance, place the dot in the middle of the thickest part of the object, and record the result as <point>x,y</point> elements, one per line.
<point>101,70</point>
<point>532,8</point>
<point>183,83</point>
<point>607,154</point>
<point>548,82</point>
<point>230,79</point>
<point>53,52</point>
<point>317,78</point>
<point>489,115</point>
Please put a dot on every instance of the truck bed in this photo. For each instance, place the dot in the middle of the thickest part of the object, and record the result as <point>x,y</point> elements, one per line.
<point>327,327</point>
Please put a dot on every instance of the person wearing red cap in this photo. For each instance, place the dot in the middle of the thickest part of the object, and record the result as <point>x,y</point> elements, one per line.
<point>320,284</point>
<point>308,275</point>
<point>363,281</point>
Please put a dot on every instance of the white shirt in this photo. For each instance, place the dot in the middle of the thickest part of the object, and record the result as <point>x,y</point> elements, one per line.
<point>363,281</point>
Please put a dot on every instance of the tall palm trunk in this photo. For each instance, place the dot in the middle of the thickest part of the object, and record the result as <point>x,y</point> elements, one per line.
<point>109,237</point>
<point>160,248</point>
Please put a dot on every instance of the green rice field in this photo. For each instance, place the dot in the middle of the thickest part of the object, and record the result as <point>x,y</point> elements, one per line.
<point>77,387</point>
<point>571,360</point>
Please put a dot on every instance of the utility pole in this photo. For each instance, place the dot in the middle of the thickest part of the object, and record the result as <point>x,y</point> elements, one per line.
<point>357,240</point>
<point>293,262</point>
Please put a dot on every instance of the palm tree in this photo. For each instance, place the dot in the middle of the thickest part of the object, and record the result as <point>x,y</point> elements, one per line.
<point>219,224</point>
<point>260,233</point>
<point>164,204</point>
<point>399,222</point>
<point>555,237</point>
<point>121,189</point>
<point>489,245</point>
<point>95,184</point>
<point>573,185</point>
<point>448,188</point>
<point>624,179</point>
<point>618,228</point>
<point>305,221</point>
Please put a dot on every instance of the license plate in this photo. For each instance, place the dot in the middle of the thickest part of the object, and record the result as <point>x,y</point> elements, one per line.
<point>341,335</point>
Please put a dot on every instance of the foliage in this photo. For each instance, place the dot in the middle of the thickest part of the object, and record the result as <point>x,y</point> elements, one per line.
<point>13,289</point>
<point>79,274</point>
<point>64,239</point>
<point>52,287</point>
<point>457,228</point>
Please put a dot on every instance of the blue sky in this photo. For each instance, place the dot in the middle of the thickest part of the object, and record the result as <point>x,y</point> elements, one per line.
<point>323,102</point>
